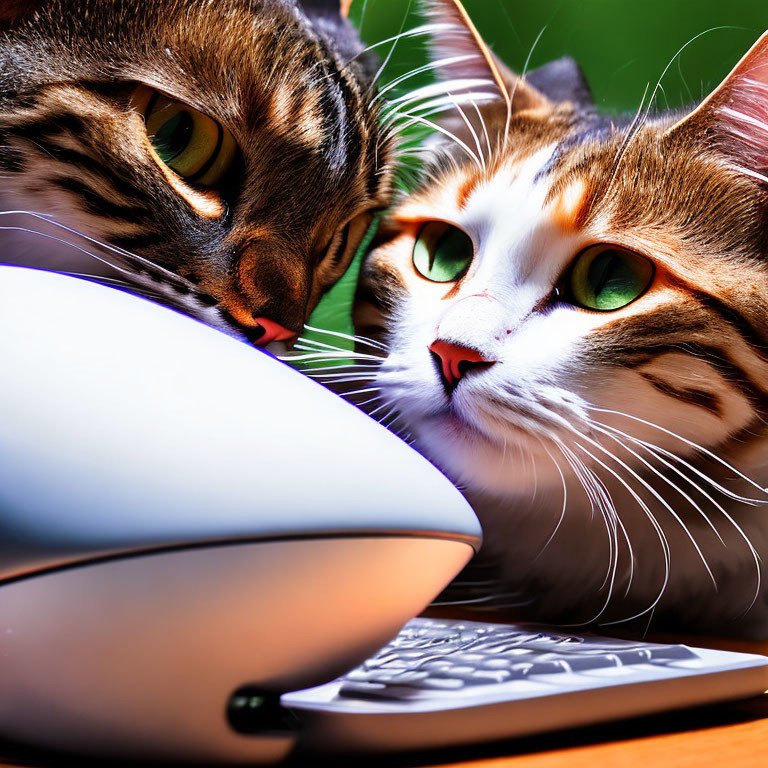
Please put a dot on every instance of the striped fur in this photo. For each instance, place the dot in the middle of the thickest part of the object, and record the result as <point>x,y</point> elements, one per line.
<point>286,81</point>
<point>617,460</point>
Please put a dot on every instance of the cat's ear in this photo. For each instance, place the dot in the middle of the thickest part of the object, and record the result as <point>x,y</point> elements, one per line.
<point>562,80</point>
<point>736,112</point>
<point>13,11</point>
<point>340,7</point>
<point>465,62</point>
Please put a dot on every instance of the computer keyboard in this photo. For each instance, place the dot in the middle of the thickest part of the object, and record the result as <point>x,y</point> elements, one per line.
<point>441,683</point>
<point>429,657</point>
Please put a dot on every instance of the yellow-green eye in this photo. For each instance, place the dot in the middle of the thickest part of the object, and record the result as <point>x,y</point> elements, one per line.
<point>442,252</point>
<point>190,143</point>
<point>605,278</point>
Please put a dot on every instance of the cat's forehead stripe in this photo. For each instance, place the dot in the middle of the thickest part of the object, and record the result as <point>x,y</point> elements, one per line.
<point>569,208</point>
<point>465,190</point>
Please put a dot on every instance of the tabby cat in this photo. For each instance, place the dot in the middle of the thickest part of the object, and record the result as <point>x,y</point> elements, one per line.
<point>223,157</point>
<point>576,318</point>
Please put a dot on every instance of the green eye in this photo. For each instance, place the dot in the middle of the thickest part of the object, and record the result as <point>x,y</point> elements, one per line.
<point>173,136</point>
<point>605,278</point>
<point>442,252</point>
<point>190,143</point>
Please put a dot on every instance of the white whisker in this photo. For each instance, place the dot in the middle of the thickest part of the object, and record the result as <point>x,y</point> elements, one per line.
<point>608,514</point>
<point>332,378</point>
<point>171,276</point>
<point>395,40</point>
<point>362,391</point>
<point>663,477</point>
<point>448,134</point>
<point>64,242</point>
<point>654,451</point>
<point>357,339</point>
<point>420,31</point>
<point>421,70</point>
<point>351,368</point>
<point>656,495</point>
<point>328,356</point>
<point>482,123</point>
<point>565,502</point>
<point>690,443</point>
<point>471,129</point>
<point>659,532</point>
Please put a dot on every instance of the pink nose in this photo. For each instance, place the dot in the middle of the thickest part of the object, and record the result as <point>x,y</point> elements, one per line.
<point>456,360</point>
<point>272,332</point>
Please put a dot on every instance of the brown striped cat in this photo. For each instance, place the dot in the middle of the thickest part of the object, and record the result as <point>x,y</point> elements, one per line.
<point>575,311</point>
<point>222,157</point>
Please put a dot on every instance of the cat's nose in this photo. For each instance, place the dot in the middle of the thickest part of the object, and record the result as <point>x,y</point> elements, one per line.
<point>266,331</point>
<point>456,360</point>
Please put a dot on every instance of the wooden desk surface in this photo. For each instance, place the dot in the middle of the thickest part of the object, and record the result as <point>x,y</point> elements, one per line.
<point>721,736</point>
<point>726,736</point>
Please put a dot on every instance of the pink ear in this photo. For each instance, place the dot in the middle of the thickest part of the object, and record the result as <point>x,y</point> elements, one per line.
<point>459,45</point>
<point>738,108</point>
<point>467,66</point>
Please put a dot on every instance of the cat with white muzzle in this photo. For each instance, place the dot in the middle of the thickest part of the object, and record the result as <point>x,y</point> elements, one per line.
<point>575,314</point>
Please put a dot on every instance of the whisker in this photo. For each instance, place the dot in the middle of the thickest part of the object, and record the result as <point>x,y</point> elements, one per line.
<point>663,477</point>
<point>533,48</point>
<point>363,367</point>
<point>656,495</point>
<point>362,391</point>
<point>305,343</point>
<point>421,70</point>
<point>653,450</point>
<point>608,513</point>
<point>659,532</point>
<point>420,31</point>
<point>448,134</point>
<point>368,402</point>
<point>634,128</point>
<point>457,85</point>
<point>391,51</point>
<point>357,339</point>
<point>55,239</point>
<point>385,404</point>
<point>690,443</point>
<point>332,378</point>
<point>173,277</point>
<point>482,123</point>
<point>471,129</point>
<point>565,503</point>
<point>328,356</point>
<point>672,60</point>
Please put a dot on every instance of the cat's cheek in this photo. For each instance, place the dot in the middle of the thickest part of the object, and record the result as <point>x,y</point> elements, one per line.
<point>480,465</point>
<point>632,402</point>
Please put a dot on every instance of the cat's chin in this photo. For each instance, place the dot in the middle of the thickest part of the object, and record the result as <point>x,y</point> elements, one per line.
<point>506,466</point>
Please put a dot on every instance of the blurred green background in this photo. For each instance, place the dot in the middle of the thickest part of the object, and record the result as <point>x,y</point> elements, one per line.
<point>621,45</point>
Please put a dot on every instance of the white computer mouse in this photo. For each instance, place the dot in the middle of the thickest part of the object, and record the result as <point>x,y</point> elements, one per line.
<point>182,516</point>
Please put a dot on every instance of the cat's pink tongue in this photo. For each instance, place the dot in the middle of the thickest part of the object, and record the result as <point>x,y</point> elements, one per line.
<point>272,332</point>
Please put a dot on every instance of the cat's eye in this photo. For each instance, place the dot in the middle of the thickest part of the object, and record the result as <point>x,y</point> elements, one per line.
<point>442,252</point>
<point>606,278</point>
<point>193,145</point>
<point>349,242</point>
